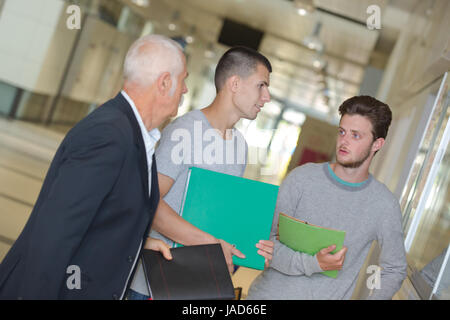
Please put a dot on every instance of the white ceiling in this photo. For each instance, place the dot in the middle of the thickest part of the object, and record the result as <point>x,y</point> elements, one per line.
<point>279,19</point>
<point>349,44</point>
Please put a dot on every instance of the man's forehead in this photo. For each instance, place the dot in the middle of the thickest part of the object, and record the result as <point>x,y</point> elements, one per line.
<point>355,122</point>
<point>262,68</point>
<point>262,73</point>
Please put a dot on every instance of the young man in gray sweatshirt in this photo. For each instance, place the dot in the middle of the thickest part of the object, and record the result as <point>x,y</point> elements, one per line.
<point>344,196</point>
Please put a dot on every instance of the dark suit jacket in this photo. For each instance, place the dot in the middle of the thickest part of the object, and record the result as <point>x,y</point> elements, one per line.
<point>92,212</point>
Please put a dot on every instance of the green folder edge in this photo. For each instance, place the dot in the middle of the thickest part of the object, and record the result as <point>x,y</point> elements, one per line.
<point>289,228</point>
<point>236,260</point>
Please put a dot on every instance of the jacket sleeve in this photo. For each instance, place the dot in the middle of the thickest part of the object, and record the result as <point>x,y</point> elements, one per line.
<point>86,170</point>
<point>286,260</point>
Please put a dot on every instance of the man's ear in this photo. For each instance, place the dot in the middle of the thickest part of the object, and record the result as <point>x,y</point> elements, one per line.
<point>164,83</point>
<point>233,83</point>
<point>378,144</point>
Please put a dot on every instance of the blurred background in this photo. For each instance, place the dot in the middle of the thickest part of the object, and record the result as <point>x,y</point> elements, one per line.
<point>55,69</point>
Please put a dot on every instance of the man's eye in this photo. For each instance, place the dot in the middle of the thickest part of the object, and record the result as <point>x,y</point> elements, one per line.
<point>356,136</point>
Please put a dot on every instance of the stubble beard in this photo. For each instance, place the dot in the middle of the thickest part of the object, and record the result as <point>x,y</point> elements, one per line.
<point>355,164</point>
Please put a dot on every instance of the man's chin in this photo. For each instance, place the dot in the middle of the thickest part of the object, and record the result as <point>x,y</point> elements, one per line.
<point>250,117</point>
<point>349,164</point>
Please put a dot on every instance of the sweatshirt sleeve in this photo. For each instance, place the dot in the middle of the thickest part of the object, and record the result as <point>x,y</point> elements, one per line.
<point>393,257</point>
<point>286,260</point>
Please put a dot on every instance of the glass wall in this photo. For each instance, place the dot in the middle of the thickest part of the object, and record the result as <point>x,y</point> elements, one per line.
<point>426,204</point>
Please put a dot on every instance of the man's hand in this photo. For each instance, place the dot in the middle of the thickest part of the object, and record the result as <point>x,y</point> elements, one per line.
<point>229,251</point>
<point>158,245</point>
<point>328,261</point>
<point>266,250</point>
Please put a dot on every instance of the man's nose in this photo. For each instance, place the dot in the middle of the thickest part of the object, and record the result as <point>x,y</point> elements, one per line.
<point>344,139</point>
<point>266,96</point>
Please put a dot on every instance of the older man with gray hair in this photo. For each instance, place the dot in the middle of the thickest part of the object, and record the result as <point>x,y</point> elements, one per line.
<point>95,209</point>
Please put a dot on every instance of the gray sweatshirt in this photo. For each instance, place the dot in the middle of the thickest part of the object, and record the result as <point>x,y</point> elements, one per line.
<point>367,211</point>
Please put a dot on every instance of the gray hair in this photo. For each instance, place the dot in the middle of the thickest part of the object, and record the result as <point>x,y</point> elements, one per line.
<point>149,57</point>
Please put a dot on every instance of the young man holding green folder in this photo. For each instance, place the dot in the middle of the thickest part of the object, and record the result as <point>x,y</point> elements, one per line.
<point>242,81</point>
<point>343,196</point>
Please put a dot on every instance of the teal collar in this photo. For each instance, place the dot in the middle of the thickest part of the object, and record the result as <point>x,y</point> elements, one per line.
<point>345,183</point>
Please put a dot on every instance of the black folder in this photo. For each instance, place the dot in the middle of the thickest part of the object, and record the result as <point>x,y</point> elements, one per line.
<point>195,273</point>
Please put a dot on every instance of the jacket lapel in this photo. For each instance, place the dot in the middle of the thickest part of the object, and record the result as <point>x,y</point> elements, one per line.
<point>125,107</point>
<point>154,199</point>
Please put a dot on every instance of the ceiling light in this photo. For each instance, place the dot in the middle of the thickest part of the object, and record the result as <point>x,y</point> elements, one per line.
<point>147,29</point>
<point>313,41</point>
<point>302,12</point>
<point>172,23</point>
<point>190,36</point>
<point>141,3</point>
<point>189,39</point>
<point>319,62</point>
<point>304,7</point>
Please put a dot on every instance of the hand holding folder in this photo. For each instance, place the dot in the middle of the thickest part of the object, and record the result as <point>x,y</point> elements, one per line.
<point>158,245</point>
<point>229,251</point>
<point>328,261</point>
<point>310,239</point>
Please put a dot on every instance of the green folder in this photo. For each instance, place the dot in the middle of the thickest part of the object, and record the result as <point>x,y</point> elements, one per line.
<point>237,210</point>
<point>307,238</point>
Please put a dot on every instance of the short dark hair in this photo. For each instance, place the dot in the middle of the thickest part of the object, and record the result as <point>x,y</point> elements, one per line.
<point>377,112</point>
<point>241,61</point>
